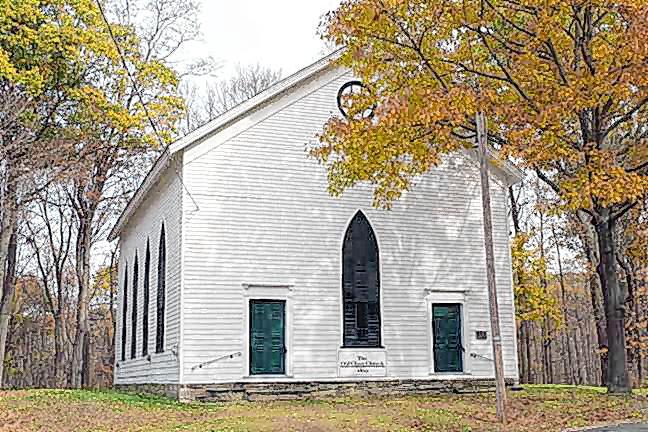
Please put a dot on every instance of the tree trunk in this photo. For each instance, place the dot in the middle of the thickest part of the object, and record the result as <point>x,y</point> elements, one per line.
<point>7,228</point>
<point>522,358</point>
<point>601,327</point>
<point>547,333</point>
<point>60,345</point>
<point>6,300</point>
<point>614,297</point>
<point>59,350</point>
<point>569,359</point>
<point>580,367</point>
<point>590,244</point>
<point>635,329</point>
<point>8,248</point>
<point>639,350</point>
<point>83,245</point>
<point>529,355</point>
<point>86,375</point>
<point>546,352</point>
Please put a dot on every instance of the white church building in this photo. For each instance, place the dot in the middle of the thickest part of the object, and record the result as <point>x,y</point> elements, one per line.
<point>240,276</point>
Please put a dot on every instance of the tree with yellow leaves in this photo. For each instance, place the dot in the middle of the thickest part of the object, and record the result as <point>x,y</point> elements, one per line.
<point>86,97</point>
<point>128,108</point>
<point>633,261</point>
<point>563,82</point>
<point>46,47</point>
<point>532,300</point>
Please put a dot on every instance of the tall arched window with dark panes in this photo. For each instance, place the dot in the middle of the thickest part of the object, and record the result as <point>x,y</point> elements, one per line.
<point>124,313</point>
<point>145,300</point>
<point>161,292</point>
<point>134,308</point>
<point>361,285</point>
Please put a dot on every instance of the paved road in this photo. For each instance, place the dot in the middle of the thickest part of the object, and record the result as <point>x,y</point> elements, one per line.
<point>625,428</point>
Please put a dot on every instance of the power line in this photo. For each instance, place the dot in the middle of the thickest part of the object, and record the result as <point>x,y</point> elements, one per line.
<point>130,75</point>
<point>139,95</point>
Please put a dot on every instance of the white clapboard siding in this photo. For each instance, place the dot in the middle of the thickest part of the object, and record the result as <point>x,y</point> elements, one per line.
<point>163,203</point>
<point>264,217</point>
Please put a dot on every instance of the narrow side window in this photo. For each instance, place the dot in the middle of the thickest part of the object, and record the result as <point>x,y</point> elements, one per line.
<point>145,306</point>
<point>124,312</point>
<point>161,292</point>
<point>134,309</point>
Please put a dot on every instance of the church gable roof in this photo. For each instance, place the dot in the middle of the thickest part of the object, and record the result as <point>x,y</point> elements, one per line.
<point>219,123</point>
<point>226,120</point>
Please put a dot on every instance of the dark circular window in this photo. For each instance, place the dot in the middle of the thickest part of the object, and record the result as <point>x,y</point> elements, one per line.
<point>344,101</point>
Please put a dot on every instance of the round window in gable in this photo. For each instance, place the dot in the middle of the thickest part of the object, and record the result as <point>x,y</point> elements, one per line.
<point>345,101</point>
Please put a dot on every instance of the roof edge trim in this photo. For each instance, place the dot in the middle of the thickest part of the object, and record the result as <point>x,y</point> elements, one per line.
<point>212,126</point>
<point>151,178</point>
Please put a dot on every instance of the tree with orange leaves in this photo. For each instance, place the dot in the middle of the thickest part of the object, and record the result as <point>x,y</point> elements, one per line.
<point>563,82</point>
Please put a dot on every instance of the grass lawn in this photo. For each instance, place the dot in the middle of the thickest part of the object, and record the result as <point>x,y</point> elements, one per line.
<point>538,408</point>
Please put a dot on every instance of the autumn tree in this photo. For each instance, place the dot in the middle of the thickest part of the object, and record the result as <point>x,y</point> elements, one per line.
<point>633,261</point>
<point>532,300</point>
<point>563,83</point>
<point>49,236</point>
<point>29,361</point>
<point>129,110</point>
<point>102,314</point>
<point>88,85</point>
<point>45,46</point>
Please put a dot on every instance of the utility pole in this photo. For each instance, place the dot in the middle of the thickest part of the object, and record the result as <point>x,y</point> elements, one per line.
<point>500,386</point>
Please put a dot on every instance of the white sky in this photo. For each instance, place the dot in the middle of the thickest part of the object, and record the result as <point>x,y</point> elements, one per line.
<point>280,34</point>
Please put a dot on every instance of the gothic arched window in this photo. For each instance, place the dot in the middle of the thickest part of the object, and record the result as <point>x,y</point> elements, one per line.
<point>361,285</point>
<point>134,308</point>
<point>145,301</point>
<point>124,313</point>
<point>161,293</point>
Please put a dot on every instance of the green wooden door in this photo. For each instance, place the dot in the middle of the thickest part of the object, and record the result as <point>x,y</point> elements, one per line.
<point>448,348</point>
<point>267,337</point>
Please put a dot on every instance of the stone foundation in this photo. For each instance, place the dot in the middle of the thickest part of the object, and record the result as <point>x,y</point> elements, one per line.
<point>313,390</point>
<point>167,390</point>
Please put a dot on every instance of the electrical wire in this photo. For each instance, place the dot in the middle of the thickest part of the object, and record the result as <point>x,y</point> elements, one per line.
<point>139,95</point>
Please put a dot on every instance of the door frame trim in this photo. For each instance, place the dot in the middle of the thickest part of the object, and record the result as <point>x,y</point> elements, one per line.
<point>268,292</point>
<point>449,297</point>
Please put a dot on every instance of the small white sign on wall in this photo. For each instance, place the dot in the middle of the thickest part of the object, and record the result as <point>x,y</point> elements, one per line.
<point>362,363</point>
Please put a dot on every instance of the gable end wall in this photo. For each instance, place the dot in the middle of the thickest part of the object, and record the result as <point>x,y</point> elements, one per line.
<point>264,218</point>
